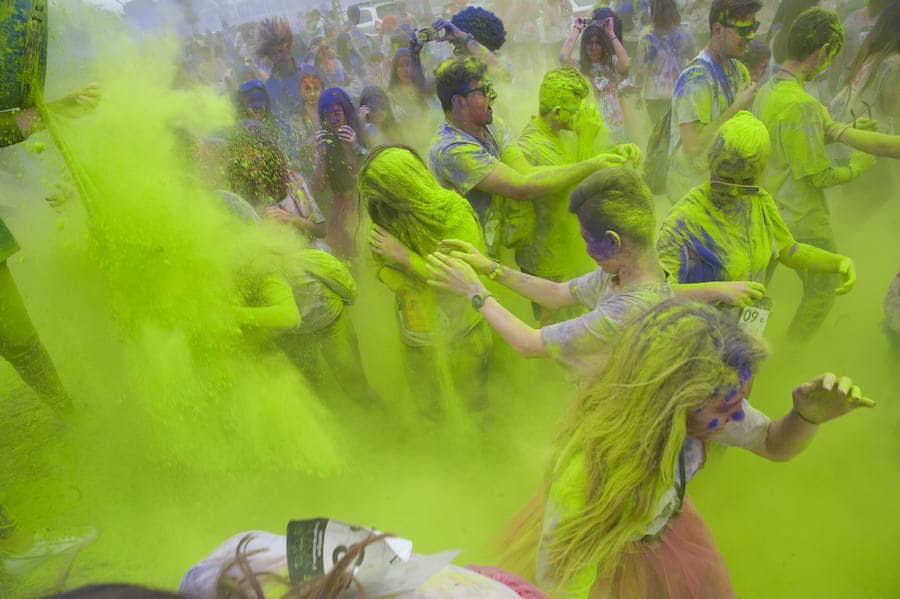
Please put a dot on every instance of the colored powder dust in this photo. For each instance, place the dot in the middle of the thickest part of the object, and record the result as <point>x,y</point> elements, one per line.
<point>188,432</point>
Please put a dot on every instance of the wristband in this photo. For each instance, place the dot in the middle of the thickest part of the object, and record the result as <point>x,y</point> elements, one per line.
<point>804,418</point>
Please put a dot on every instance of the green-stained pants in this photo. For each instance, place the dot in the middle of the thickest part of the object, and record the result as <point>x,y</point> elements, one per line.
<point>818,296</point>
<point>331,354</point>
<point>21,347</point>
<point>455,372</point>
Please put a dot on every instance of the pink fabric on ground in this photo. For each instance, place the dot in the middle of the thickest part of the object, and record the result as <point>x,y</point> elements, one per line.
<point>522,587</point>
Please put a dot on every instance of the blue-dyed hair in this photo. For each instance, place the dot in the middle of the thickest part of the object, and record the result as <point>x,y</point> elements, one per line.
<point>248,86</point>
<point>485,26</point>
<point>336,96</point>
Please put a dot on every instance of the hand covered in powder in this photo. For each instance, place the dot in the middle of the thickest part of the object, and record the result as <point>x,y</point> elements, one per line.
<point>78,103</point>
<point>387,246</point>
<point>740,293</point>
<point>630,152</point>
<point>865,124</point>
<point>847,270</point>
<point>453,275</point>
<point>347,135</point>
<point>451,31</point>
<point>828,397</point>
<point>744,97</point>
<point>468,253</point>
<point>607,160</point>
<point>860,162</point>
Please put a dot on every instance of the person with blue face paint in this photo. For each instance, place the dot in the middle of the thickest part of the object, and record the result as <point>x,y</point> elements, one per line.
<point>340,147</point>
<point>254,104</point>
<point>615,212</point>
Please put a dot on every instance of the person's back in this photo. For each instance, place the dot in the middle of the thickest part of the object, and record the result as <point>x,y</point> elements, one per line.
<point>796,121</point>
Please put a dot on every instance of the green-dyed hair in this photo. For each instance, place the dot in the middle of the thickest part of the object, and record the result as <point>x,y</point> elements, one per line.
<point>741,141</point>
<point>560,86</point>
<point>629,425</point>
<point>814,28</point>
<point>615,199</point>
<point>403,196</point>
<point>452,77</point>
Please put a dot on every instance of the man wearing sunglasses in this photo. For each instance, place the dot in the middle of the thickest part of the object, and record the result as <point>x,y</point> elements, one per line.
<point>475,154</point>
<point>712,89</point>
<point>800,168</point>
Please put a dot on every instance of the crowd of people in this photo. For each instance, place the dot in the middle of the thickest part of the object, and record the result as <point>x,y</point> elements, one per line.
<point>405,153</point>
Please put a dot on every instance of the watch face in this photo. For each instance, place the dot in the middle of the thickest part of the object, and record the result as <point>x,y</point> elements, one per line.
<point>477,301</point>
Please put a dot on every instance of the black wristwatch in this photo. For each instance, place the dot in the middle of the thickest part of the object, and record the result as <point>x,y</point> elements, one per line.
<point>361,150</point>
<point>478,300</point>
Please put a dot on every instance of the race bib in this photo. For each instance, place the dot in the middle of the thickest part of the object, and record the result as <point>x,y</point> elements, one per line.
<point>753,319</point>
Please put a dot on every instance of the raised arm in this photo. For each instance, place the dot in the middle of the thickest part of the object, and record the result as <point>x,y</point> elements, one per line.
<point>825,398</point>
<point>536,182</point>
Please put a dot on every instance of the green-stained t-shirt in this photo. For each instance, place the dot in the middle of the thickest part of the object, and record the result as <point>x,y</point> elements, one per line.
<point>8,244</point>
<point>796,122</point>
<point>425,314</point>
<point>704,90</point>
<point>700,241</point>
<point>556,250</point>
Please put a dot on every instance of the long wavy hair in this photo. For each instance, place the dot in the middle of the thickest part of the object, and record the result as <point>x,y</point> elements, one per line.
<point>584,61</point>
<point>403,196</point>
<point>882,41</point>
<point>630,423</point>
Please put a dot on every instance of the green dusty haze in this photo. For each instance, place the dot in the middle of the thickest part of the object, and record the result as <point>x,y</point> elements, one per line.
<point>187,433</point>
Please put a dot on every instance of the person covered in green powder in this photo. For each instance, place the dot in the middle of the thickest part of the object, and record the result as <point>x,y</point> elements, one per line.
<point>616,519</point>
<point>298,301</point>
<point>712,89</point>
<point>555,250</point>
<point>475,154</point>
<point>23,29</point>
<point>615,212</point>
<point>800,169</point>
<point>447,342</point>
<point>728,228</point>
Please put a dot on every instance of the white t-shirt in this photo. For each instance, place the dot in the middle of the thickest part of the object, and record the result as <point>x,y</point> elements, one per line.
<point>583,344</point>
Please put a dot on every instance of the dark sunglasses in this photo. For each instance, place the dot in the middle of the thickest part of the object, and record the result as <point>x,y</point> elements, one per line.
<point>487,89</point>
<point>742,30</point>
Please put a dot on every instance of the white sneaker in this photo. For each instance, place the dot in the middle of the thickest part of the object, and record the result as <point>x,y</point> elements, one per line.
<point>45,547</point>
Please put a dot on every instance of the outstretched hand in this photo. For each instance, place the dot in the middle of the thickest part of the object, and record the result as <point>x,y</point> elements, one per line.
<point>468,253</point>
<point>78,103</point>
<point>828,397</point>
<point>453,275</point>
<point>740,293</point>
<point>451,31</point>
<point>387,246</point>
<point>848,276</point>
<point>630,152</point>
